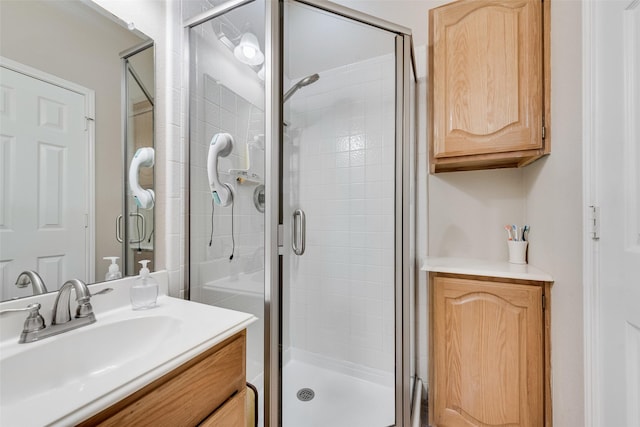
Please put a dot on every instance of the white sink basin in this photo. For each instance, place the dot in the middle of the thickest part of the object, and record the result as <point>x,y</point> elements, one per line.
<point>67,378</point>
<point>82,355</point>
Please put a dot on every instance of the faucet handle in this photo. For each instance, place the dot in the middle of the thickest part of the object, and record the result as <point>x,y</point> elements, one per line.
<point>34,321</point>
<point>84,308</point>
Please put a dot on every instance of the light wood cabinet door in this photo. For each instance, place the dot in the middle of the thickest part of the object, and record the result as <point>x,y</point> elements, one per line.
<point>487,84</point>
<point>487,354</point>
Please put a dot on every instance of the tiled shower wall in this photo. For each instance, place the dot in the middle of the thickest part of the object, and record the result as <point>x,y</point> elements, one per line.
<point>220,110</point>
<point>341,137</point>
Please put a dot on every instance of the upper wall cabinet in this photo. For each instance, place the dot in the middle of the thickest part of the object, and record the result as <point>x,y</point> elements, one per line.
<point>489,84</point>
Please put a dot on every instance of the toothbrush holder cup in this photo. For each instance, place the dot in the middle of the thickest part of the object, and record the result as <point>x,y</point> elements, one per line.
<point>517,251</point>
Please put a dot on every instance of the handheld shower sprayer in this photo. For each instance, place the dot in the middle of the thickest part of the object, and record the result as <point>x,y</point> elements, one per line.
<point>144,157</point>
<point>220,146</point>
<point>302,83</point>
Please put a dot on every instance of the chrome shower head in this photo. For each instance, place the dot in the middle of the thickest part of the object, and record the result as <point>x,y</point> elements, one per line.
<point>302,83</point>
<point>309,80</point>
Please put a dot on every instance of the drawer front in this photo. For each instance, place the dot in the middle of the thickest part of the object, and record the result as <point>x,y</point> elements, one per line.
<point>231,414</point>
<point>185,396</point>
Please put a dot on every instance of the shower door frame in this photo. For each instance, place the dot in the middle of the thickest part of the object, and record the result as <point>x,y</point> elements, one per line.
<point>274,212</point>
<point>123,239</point>
<point>274,209</point>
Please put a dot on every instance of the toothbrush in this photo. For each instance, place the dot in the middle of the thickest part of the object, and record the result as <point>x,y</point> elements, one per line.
<point>508,228</point>
<point>525,232</point>
<point>515,232</point>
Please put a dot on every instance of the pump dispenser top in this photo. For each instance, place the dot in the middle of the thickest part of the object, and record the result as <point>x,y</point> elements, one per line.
<point>144,291</point>
<point>114,269</point>
<point>144,271</point>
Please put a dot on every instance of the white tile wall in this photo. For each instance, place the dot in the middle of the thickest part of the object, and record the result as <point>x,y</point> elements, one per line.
<point>218,109</point>
<point>341,173</point>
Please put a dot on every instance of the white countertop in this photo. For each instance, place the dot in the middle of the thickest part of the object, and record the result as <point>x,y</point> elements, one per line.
<point>478,267</point>
<point>185,329</point>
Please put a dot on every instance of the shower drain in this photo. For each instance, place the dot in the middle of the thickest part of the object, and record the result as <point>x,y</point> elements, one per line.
<point>305,394</point>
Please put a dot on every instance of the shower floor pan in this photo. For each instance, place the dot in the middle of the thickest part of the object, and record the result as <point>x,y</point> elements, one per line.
<point>339,400</point>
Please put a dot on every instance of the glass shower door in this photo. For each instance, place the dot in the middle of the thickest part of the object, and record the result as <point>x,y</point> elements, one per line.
<point>226,240</point>
<point>338,344</point>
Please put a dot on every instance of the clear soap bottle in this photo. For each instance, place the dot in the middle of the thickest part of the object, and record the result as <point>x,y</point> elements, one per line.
<point>144,291</point>
<point>114,271</point>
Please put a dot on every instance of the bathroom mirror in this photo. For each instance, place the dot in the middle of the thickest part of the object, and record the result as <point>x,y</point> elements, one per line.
<point>76,103</point>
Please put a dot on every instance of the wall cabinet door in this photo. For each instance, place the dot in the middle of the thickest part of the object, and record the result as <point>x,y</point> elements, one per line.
<point>487,84</point>
<point>487,354</point>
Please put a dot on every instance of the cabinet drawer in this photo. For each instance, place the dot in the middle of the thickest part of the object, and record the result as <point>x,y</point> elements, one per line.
<point>186,395</point>
<point>231,414</point>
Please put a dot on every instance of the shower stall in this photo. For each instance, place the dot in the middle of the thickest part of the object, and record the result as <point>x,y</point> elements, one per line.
<point>318,103</point>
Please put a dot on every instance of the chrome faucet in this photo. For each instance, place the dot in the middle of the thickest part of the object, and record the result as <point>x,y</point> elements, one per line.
<point>61,310</point>
<point>34,326</point>
<point>31,277</point>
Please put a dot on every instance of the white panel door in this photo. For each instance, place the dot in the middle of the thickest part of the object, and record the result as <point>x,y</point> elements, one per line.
<point>617,125</point>
<point>44,186</point>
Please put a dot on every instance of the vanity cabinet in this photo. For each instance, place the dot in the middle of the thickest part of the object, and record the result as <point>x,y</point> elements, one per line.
<point>489,351</point>
<point>489,91</point>
<point>207,390</point>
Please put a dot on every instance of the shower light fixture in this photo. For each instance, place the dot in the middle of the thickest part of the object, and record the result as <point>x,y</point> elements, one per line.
<point>248,51</point>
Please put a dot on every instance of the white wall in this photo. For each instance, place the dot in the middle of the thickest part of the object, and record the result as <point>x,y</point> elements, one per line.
<point>553,188</point>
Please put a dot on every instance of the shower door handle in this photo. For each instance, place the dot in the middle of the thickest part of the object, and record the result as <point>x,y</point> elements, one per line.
<point>299,232</point>
<point>119,228</point>
<point>141,236</point>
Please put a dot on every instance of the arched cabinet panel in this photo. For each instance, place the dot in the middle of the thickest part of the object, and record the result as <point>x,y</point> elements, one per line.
<point>487,353</point>
<point>488,95</point>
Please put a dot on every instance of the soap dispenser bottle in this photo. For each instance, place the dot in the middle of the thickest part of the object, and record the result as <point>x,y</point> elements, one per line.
<point>114,269</point>
<point>144,291</point>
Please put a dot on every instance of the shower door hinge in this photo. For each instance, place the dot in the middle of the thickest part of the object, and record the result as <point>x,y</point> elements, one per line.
<point>594,222</point>
<point>281,239</point>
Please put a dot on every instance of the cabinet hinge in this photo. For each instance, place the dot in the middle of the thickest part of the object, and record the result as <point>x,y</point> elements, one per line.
<point>544,129</point>
<point>544,302</point>
<point>594,222</point>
